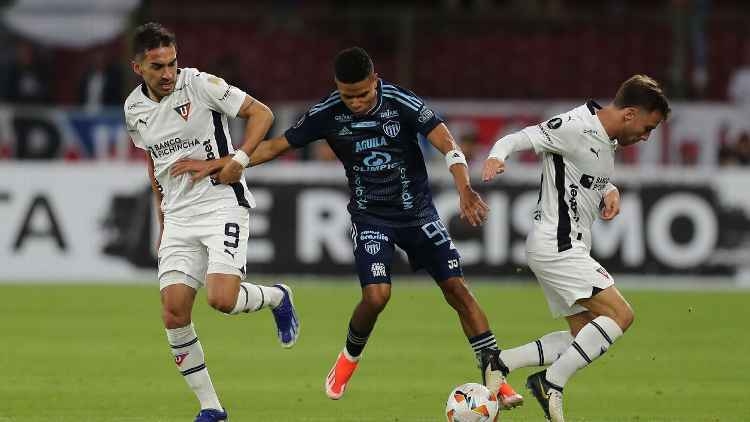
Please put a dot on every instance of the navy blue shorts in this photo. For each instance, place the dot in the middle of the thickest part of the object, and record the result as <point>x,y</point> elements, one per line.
<point>429,247</point>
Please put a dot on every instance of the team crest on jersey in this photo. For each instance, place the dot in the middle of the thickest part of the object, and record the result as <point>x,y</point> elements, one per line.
<point>372,247</point>
<point>391,128</point>
<point>183,110</point>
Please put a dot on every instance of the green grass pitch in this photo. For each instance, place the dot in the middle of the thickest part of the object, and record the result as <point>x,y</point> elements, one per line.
<point>98,353</point>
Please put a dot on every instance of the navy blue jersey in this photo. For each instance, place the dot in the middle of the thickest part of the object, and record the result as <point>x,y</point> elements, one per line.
<point>380,152</point>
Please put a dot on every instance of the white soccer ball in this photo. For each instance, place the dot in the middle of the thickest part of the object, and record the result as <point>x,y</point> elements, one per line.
<point>471,402</point>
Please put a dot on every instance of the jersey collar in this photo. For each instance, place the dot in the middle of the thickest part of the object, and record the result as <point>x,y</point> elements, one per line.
<point>593,107</point>
<point>380,99</point>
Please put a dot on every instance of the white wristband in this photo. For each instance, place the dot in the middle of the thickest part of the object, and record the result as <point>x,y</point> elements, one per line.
<point>455,157</point>
<point>241,157</point>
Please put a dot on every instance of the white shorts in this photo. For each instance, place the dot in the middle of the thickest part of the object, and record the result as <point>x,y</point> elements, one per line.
<point>566,277</point>
<point>192,247</point>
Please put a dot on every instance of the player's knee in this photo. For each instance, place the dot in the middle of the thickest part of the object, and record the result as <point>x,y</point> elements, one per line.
<point>175,318</point>
<point>222,303</point>
<point>457,294</point>
<point>376,302</point>
<point>625,318</point>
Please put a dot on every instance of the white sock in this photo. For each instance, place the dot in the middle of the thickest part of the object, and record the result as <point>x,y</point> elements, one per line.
<point>541,352</point>
<point>591,342</point>
<point>254,297</point>
<point>188,355</point>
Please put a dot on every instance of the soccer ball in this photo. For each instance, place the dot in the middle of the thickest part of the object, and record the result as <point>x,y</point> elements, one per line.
<point>471,402</point>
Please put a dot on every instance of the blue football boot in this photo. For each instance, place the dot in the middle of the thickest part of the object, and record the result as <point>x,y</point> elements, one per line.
<point>212,415</point>
<point>287,324</point>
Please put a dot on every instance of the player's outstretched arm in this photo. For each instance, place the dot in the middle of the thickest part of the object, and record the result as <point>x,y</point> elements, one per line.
<point>611,202</point>
<point>269,149</point>
<point>259,120</point>
<point>473,208</point>
<point>495,163</point>
<point>199,168</point>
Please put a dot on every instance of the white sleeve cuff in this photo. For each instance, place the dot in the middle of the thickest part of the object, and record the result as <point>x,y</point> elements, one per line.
<point>508,144</point>
<point>609,188</point>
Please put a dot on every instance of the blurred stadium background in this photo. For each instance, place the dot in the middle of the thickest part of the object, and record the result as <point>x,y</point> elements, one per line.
<point>76,208</point>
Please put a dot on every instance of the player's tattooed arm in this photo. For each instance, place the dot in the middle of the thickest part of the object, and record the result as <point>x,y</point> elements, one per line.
<point>473,208</point>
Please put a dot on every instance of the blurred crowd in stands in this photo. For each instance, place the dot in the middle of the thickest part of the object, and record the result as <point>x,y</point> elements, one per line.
<point>451,49</point>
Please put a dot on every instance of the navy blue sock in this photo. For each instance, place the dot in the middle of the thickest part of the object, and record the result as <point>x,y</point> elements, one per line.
<point>355,341</point>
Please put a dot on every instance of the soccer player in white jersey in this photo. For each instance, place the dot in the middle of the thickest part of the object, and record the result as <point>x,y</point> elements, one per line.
<point>182,113</point>
<point>578,153</point>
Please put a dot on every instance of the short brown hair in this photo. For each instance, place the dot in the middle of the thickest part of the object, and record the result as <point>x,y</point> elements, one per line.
<point>151,35</point>
<point>643,92</point>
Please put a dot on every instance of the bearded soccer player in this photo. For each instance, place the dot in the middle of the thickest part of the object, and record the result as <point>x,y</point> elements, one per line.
<point>181,113</point>
<point>578,154</point>
<point>372,126</point>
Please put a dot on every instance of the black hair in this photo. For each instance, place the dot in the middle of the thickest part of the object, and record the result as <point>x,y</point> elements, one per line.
<point>643,92</point>
<point>151,35</point>
<point>352,65</point>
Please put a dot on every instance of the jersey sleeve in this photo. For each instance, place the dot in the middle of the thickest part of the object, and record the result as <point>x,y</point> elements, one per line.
<point>131,121</point>
<point>217,94</point>
<point>308,129</point>
<point>556,135</point>
<point>416,112</point>
<point>136,137</point>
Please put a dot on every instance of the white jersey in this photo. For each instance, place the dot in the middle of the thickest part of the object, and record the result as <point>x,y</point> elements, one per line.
<point>191,122</point>
<point>578,161</point>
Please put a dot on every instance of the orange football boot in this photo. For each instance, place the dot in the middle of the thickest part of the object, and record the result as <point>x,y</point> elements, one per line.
<point>339,376</point>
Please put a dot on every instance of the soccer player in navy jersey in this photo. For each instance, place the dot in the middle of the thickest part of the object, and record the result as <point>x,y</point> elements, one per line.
<point>372,127</point>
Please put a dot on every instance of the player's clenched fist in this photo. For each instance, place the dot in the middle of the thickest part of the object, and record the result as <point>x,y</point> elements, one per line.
<point>492,167</point>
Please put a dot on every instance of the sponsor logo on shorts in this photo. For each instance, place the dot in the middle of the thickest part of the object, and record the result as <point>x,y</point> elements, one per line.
<point>372,234</point>
<point>604,273</point>
<point>378,269</point>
